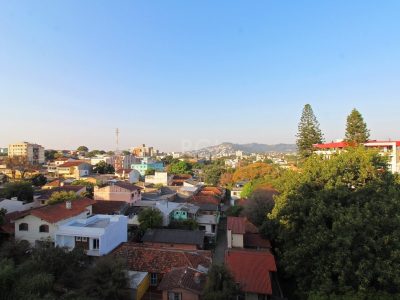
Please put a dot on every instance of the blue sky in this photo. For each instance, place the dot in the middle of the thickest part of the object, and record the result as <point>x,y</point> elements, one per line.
<point>184,74</point>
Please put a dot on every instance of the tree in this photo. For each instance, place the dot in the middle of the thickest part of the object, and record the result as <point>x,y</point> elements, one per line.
<point>111,153</point>
<point>82,149</point>
<point>62,196</point>
<point>212,174</point>
<point>180,167</point>
<point>234,211</point>
<point>338,223</point>
<point>89,187</point>
<point>259,204</point>
<point>104,168</point>
<point>23,190</point>
<point>188,224</point>
<point>220,284</point>
<point>150,218</point>
<point>149,172</point>
<point>20,164</point>
<point>126,152</point>
<point>50,154</point>
<point>356,128</point>
<point>39,180</point>
<point>106,279</point>
<point>308,132</point>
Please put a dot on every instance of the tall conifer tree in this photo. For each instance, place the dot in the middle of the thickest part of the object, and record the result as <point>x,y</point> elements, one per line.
<point>309,132</point>
<point>356,128</point>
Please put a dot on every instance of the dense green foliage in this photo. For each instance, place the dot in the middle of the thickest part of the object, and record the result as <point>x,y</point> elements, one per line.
<point>103,168</point>
<point>180,167</point>
<point>49,154</point>
<point>47,272</point>
<point>89,187</point>
<point>39,180</point>
<point>220,284</point>
<point>336,225</point>
<point>188,224</point>
<point>234,211</point>
<point>23,190</point>
<point>308,132</point>
<point>356,128</point>
<point>82,149</point>
<point>62,196</point>
<point>259,204</point>
<point>150,218</point>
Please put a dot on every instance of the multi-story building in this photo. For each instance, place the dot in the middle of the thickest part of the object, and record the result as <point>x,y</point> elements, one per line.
<point>144,151</point>
<point>147,164</point>
<point>390,149</point>
<point>118,191</point>
<point>33,152</point>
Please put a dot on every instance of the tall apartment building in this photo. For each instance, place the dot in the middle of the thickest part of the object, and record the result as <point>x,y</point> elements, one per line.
<point>33,152</point>
<point>144,151</point>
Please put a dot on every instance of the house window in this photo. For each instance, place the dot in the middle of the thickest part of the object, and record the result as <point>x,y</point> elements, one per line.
<point>174,296</point>
<point>201,227</point>
<point>84,239</point>
<point>95,244</point>
<point>153,279</point>
<point>78,239</point>
<point>44,228</point>
<point>23,227</point>
<point>261,297</point>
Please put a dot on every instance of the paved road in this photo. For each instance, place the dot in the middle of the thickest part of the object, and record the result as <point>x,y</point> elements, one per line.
<point>221,246</point>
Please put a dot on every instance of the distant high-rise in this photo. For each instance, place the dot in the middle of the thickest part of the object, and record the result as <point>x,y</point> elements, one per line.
<point>33,152</point>
<point>143,151</point>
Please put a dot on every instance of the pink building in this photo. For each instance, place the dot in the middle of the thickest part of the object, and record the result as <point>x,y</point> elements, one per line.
<point>118,191</point>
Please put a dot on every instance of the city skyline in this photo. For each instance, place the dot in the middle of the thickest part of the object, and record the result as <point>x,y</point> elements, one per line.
<point>175,75</point>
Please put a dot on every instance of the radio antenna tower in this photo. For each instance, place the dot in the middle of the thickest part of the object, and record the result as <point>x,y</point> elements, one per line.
<point>117,140</point>
<point>118,158</point>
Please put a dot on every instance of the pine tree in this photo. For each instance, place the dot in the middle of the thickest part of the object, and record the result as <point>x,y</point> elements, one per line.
<point>309,132</point>
<point>356,128</point>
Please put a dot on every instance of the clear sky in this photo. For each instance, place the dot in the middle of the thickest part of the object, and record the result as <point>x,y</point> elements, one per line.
<point>184,74</point>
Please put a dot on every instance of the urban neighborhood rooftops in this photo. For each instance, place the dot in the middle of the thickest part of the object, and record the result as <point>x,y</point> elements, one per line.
<point>174,236</point>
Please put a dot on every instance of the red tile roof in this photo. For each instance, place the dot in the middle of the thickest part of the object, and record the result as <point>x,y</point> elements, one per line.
<point>237,225</point>
<point>212,189</point>
<point>104,207</point>
<point>332,145</point>
<point>72,164</point>
<point>121,171</point>
<point>205,200</point>
<point>251,269</point>
<point>184,278</point>
<point>160,260</point>
<point>58,212</point>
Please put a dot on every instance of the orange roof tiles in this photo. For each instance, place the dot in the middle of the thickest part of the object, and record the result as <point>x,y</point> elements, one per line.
<point>72,164</point>
<point>251,269</point>
<point>237,225</point>
<point>160,260</point>
<point>58,212</point>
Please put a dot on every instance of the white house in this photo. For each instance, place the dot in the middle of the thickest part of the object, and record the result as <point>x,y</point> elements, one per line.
<point>40,224</point>
<point>98,235</point>
<point>13,205</point>
<point>159,178</point>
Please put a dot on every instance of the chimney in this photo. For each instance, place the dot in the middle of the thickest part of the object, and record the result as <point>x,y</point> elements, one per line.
<point>68,205</point>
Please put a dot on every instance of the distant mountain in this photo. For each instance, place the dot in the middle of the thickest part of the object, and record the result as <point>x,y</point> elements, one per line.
<point>226,149</point>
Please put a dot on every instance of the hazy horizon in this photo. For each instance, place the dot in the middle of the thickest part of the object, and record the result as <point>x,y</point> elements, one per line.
<point>178,75</point>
